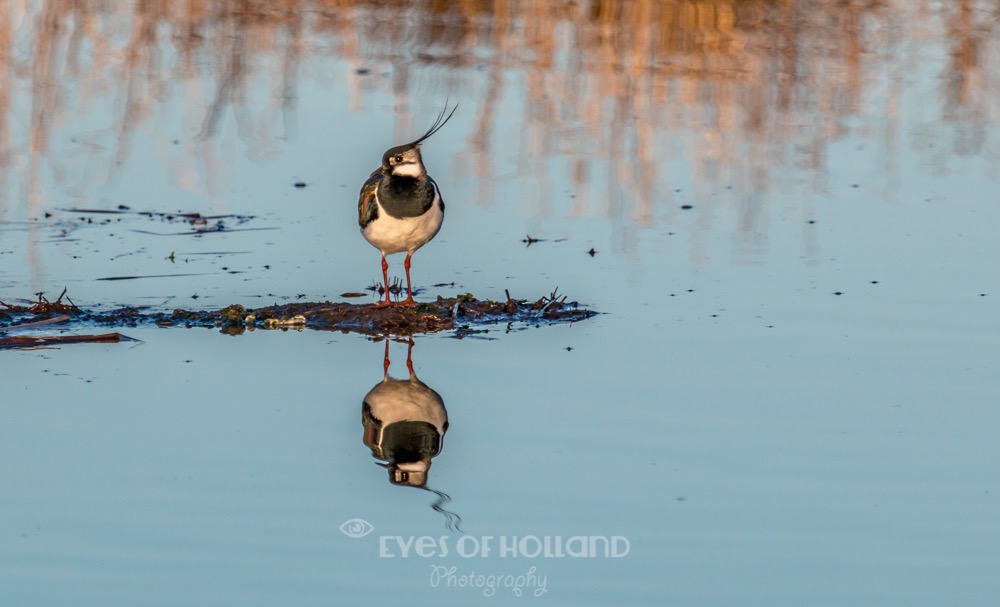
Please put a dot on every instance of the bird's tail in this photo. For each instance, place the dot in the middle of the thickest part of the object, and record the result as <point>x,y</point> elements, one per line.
<point>452,520</point>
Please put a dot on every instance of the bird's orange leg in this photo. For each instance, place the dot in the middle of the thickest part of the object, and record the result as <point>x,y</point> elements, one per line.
<point>409,291</point>
<point>385,283</point>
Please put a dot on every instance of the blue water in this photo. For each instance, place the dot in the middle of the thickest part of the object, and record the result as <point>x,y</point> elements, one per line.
<point>789,398</point>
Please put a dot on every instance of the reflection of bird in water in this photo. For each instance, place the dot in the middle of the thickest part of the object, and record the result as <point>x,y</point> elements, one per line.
<point>405,422</point>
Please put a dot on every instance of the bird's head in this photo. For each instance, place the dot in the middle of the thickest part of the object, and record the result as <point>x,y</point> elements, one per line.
<point>404,160</point>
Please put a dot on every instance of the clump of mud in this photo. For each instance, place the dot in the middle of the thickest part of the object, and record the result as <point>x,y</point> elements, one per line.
<point>463,315</point>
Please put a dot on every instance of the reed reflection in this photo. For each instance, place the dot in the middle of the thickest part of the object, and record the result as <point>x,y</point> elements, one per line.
<point>404,423</point>
<point>607,94</point>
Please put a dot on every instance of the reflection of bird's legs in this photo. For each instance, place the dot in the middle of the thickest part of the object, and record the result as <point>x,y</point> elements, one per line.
<point>385,360</point>
<point>409,356</point>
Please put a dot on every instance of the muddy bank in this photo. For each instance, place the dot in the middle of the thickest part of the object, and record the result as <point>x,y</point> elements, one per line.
<point>463,315</point>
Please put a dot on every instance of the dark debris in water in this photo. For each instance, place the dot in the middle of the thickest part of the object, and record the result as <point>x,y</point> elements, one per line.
<point>44,313</point>
<point>41,309</point>
<point>24,342</point>
<point>464,315</point>
<point>197,224</point>
<point>529,240</point>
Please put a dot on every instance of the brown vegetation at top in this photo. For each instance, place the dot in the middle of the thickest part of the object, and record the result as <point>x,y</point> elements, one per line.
<point>761,83</point>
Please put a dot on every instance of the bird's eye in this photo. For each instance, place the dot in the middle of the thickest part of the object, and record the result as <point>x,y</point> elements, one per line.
<point>397,158</point>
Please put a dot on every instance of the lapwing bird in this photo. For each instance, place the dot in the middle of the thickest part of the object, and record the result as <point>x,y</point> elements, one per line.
<point>400,208</point>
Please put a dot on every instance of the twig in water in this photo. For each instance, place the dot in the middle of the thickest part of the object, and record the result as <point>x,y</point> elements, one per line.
<point>39,323</point>
<point>34,341</point>
<point>552,298</point>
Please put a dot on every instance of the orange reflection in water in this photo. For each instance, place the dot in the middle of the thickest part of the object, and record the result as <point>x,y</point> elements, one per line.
<point>735,89</point>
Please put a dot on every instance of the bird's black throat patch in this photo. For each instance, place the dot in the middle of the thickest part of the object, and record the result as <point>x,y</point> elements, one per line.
<point>403,196</point>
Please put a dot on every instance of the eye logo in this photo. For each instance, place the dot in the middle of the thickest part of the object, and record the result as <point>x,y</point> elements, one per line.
<point>356,527</point>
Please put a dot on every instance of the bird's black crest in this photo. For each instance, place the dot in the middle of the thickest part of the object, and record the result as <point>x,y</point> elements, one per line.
<point>438,123</point>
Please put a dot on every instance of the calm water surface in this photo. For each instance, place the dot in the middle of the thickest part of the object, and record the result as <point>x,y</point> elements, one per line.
<point>790,399</point>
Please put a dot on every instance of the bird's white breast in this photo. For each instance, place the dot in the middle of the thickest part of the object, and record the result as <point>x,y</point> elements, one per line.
<point>395,235</point>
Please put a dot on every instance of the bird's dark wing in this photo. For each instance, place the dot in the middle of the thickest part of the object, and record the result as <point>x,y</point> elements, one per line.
<point>367,208</point>
<point>434,191</point>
